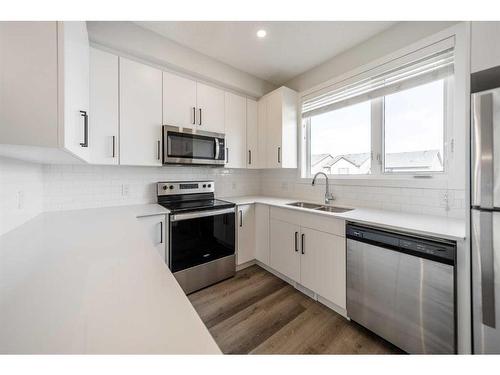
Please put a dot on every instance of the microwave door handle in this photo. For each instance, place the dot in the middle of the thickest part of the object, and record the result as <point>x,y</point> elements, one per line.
<point>483,157</point>
<point>217,148</point>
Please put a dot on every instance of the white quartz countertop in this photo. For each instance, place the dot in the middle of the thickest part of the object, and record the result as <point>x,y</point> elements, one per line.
<point>435,226</point>
<point>90,281</point>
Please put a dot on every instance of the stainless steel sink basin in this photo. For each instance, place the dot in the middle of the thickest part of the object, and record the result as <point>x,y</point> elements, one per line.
<point>311,206</point>
<point>319,207</point>
<point>333,209</point>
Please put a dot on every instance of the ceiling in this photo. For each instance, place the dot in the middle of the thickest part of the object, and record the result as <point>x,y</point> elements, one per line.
<point>289,49</point>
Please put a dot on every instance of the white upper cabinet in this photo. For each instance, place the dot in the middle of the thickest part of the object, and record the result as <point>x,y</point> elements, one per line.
<point>485,48</point>
<point>104,107</point>
<point>44,90</point>
<point>252,135</point>
<point>140,114</point>
<point>278,119</point>
<point>210,111</point>
<point>235,120</point>
<point>76,87</point>
<point>179,101</point>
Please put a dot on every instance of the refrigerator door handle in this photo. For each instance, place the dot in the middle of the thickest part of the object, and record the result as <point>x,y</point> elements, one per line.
<point>483,157</point>
<point>486,263</point>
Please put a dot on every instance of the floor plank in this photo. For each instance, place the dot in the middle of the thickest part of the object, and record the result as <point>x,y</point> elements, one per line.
<point>256,312</point>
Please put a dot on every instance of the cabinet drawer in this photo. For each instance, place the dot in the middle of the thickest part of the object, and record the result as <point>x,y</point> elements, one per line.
<point>319,222</point>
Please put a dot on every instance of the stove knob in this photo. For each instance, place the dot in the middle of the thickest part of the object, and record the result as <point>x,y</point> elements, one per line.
<point>164,187</point>
<point>171,187</point>
<point>209,185</point>
<point>204,185</point>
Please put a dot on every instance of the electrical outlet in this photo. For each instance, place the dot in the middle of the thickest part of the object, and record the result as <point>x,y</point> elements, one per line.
<point>125,190</point>
<point>20,200</point>
<point>444,199</point>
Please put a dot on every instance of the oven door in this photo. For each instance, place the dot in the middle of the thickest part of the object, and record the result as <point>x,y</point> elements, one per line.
<point>200,237</point>
<point>186,147</point>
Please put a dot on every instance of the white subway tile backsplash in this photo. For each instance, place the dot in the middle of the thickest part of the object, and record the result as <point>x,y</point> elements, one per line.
<point>430,201</point>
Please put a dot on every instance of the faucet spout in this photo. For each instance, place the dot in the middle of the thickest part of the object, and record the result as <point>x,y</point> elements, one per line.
<point>328,196</point>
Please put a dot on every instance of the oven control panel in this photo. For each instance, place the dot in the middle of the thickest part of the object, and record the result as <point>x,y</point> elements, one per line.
<point>185,187</point>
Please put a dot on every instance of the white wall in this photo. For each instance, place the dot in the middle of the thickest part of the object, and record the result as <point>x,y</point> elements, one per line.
<point>21,192</point>
<point>134,40</point>
<point>390,40</point>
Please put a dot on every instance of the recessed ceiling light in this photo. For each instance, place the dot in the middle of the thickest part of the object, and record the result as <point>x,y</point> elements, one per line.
<point>261,33</point>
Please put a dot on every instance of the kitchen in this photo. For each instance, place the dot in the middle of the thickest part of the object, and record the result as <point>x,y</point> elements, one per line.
<point>230,187</point>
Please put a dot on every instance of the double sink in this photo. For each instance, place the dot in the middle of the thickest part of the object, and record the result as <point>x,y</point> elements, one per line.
<point>319,207</point>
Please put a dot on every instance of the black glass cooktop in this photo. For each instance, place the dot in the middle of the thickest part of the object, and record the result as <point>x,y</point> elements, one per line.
<point>196,205</point>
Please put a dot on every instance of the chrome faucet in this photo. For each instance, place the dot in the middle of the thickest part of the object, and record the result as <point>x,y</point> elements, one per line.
<point>328,196</point>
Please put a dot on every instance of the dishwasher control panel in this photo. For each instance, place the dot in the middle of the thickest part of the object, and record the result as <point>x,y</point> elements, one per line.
<point>435,249</point>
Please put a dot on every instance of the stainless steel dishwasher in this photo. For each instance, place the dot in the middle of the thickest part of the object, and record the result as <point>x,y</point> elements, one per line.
<point>402,287</point>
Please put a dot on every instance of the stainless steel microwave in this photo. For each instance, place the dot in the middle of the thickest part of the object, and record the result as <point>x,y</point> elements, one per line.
<point>188,146</point>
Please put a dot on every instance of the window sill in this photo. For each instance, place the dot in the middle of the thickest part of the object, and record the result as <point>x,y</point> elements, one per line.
<point>438,181</point>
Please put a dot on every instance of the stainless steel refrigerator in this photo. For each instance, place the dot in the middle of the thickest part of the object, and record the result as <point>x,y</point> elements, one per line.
<point>485,211</point>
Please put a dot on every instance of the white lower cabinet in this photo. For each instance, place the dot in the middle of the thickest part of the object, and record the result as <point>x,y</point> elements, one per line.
<point>322,265</point>
<point>262,234</point>
<point>283,241</point>
<point>154,226</point>
<point>246,233</point>
<point>313,258</point>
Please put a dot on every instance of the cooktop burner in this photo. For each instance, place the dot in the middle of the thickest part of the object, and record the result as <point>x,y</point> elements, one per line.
<point>183,196</point>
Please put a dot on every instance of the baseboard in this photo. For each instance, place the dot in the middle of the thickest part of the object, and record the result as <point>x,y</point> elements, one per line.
<point>301,288</point>
<point>242,266</point>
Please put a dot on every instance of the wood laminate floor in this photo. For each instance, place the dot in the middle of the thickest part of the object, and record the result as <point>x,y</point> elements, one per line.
<point>256,312</point>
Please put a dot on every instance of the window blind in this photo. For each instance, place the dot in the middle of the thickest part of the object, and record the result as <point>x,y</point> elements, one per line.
<point>425,65</point>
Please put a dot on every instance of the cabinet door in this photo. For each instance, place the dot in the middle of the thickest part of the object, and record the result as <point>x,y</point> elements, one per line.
<point>104,107</point>
<point>140,114</point>
<point>179,101</point>
<point>274,124</point>
<point>210,113</point>
<point>154,226</point>
<point>284,252</point>
<point>252,135</point>
<point>76,56</point>
<point>485,45</point>
<point>235,121</point>
<point>28,84</point>
<point>262,233</point>
<point>322,265</point>
<point>246,233</point>
<point>262,132</point>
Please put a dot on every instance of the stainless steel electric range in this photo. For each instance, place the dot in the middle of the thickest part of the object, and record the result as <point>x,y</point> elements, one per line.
<point>201,233</point>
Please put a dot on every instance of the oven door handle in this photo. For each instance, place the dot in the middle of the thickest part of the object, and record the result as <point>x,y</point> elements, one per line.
<point>198,214</point>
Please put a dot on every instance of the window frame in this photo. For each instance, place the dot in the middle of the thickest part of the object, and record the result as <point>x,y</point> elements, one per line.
<point>377,170</point>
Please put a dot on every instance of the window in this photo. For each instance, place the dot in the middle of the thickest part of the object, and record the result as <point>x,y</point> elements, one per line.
<point>341,140</point>
<point>414,129</point>
<point>391,121</point>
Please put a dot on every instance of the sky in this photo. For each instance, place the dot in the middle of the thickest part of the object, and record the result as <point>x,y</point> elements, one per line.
<point>413,122</point>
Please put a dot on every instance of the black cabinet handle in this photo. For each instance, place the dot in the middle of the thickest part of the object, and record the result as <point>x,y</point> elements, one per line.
<point>161,231</point>
<point>85,116</point>
<point>114,141</point>
<point>158,149</point>
<point>227,154</point>
<point>279,155</point>
<point>249,157</point>
<point>194,115</point>
<point>296,241</point>
<point>199,119</point>
<point>241,218</point>
<point>302,244</point>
